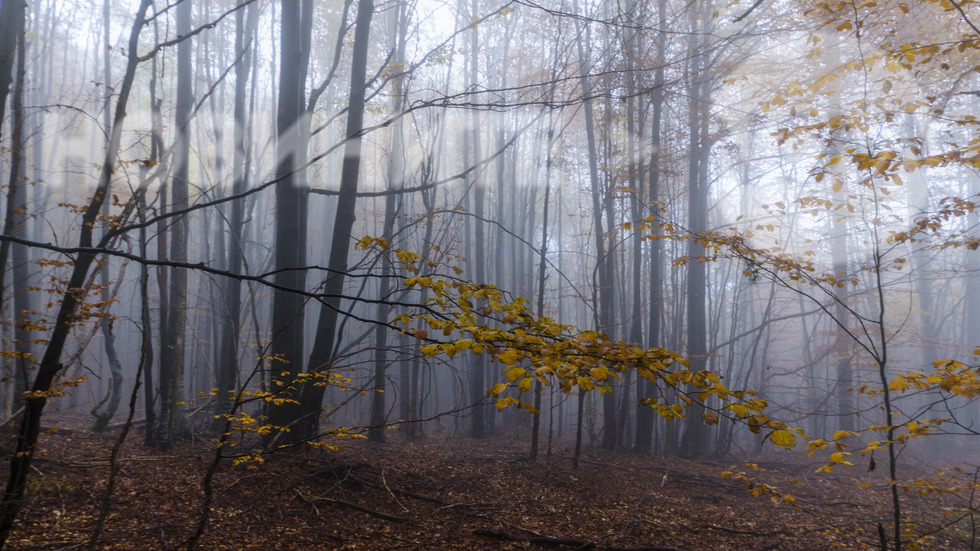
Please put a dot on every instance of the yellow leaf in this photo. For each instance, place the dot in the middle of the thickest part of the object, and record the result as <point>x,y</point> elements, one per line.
<point>515,373</point>
<point>497,389</point>
<point>838,185</point>
<point>506,401</point>
<point>525,384</point>
<point>783,438</point>
<point>738,409</point>
<point>509,356</point>
<point>709,418</point>
<point>585,383</point>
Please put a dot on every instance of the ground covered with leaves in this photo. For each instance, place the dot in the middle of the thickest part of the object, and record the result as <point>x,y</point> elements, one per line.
<point>456,493</point>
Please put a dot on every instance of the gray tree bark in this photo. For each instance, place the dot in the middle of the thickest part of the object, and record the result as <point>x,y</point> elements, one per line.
<point>321,357</point>
<point>50,365</point>
<point>290,243</point>
<point>171,424</point>
<point>246,24</point>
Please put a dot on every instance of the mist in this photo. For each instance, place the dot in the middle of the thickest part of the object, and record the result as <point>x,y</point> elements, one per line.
<point>704,240</point>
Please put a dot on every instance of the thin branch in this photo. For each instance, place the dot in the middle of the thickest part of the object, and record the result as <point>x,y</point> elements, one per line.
<point>965,18</point>
<point>750,10</point>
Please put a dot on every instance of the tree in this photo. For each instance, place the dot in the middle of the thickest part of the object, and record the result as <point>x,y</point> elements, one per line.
<point>695,439</point>
<point>171,424</point>
<point>11,15</point>
<point>397,42</point>
<point>644,415</point>
<point>290,246</point>
<point>326,333</point>
<point>227,369</point>
<point>50,364</point>
<point>105,410</point>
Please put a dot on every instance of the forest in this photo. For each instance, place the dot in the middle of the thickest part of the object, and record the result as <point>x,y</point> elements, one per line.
<point>490,274</point>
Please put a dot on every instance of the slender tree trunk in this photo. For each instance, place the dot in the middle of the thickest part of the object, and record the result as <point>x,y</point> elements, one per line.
<point>156,151</point>
<point>11,18</point>
<point>171,423</point>
<point>50,366</point>
<point>645,414</point>
<point>397,42</point>
<point>290,246</point>
<point>479,419</point>
<point>321,358</point>
<point>13,216</point>
<point>636,185</point>
<point>246,24</point>
<point>603,314</point>
<point>106,409</point>
<point>695,440</point>
<point>536,424</point>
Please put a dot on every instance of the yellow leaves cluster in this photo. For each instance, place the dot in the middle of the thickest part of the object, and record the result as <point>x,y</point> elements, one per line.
<point>58,388</point>
<point>757,488</point>
<point>537,350</point>
<point>949,376</point>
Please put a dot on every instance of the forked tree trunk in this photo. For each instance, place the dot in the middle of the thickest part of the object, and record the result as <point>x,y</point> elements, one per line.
<point>321,358</point>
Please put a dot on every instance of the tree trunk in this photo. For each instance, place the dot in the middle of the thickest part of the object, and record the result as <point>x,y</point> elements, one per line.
<point>14,216</point>
<point>645,389</point>
<point>397,41</point>
<point>50,366</point>
<point>695,440</point>
<point>601,284</point>
<point>227,368</point>
<point>290,245</point>
<point>11,17</point>
<point>105,410</point>
<point>171,424</point>
<point>321,358</point>
<point>549,144</point>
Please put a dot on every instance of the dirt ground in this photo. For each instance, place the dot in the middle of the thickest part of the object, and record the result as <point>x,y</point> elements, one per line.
<point>457,493</point>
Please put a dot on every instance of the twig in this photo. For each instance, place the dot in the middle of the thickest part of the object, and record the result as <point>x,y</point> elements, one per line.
<point>742,532</point>
<point>368,510</point>
<point>392,494</point>
<point>373,512</point>
<point>750,10</point>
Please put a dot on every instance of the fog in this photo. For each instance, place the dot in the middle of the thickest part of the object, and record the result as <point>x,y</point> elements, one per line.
<point>717,229</point>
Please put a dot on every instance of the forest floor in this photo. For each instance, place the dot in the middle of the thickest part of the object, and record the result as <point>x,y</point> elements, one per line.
<point>453,493</point>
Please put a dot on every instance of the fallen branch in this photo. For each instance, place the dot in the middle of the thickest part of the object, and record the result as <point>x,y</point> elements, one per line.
<point>579,544</point>
<point>373,512</point>
<point>368,510</point>
<point>780,532</point>
<point>399,491</point>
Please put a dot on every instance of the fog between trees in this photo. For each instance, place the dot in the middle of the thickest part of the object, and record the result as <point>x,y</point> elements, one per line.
<point>281,218</point>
